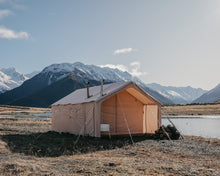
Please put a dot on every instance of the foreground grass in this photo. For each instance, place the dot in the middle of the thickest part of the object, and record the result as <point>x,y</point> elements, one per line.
<point>27,147</point>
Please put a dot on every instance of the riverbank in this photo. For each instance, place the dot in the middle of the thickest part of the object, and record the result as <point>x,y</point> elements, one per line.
<point>208,109</point>
<point>23,143</point>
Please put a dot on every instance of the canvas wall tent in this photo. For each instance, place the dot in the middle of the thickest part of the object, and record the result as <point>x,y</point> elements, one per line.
<point>123,107</point>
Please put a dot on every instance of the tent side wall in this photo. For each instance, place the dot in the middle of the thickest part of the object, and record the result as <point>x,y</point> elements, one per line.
<point>76,119</point>
<point>122,111</point>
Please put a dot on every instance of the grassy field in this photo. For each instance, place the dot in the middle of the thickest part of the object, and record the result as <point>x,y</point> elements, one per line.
<point>6,109</point>
<point>208,109</point>
<point>28,147</point>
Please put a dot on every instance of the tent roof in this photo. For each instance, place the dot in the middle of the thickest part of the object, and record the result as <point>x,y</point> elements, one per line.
<point>80,95</point>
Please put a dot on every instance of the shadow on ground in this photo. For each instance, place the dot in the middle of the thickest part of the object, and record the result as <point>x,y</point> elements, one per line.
<point>53,144</point>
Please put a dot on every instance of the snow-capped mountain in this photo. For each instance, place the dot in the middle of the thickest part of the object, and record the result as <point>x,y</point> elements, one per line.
<point>209,97</point>
<point>5,82</point>
<point>10,78</point>
<point>59,71</point>
<point>179,95</point>
<point>14,74</point>
<point>83,72</point>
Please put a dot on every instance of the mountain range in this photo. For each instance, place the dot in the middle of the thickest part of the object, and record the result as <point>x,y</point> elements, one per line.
<point>58,80</point>
<point>179,95</point>
<point>41,89</point>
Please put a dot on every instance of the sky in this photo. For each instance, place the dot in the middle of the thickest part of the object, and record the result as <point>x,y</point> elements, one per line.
<point>173,43</point>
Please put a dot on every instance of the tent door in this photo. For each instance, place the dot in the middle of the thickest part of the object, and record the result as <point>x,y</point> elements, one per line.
<point>151,118</point>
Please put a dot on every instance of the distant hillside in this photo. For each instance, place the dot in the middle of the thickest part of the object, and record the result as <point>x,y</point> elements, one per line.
<point>58,80</point>
<point>209,97</point>
<point>179,95</point>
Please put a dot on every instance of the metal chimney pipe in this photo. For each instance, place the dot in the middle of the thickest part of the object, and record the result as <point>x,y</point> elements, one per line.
<point>87,86</point>
<point>101,91</point>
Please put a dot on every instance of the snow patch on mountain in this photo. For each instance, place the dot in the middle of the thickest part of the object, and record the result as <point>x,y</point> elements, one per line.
<point>165,95</point>
<point>57,68</point>
<point>173,93</point>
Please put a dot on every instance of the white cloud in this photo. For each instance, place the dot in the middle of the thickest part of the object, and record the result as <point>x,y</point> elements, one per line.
<point>10,34</point>
<point>124,50</point>
<point>134,68</point>
<point>118,66</point>
<point>5,13</point>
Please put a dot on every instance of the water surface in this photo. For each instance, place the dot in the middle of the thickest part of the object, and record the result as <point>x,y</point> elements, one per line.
<point>203,125</point>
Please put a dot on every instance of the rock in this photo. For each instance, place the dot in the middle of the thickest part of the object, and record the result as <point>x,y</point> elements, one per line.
<point>112,164</point>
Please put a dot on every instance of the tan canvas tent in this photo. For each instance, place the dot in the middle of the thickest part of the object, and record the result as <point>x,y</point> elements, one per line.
<point>116,109</point>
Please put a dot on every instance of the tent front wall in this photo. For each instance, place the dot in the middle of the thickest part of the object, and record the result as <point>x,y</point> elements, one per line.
<point>123,112</point>
<point>76,119</point>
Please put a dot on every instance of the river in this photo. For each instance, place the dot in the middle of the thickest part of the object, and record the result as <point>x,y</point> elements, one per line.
<point>202,125</point>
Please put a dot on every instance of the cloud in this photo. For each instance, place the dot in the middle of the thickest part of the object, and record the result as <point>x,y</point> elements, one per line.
<point>5,13</point>
<point>118,66</point>
<point>133,69</point>
<point>124,50</point>
<point>10,34</point>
